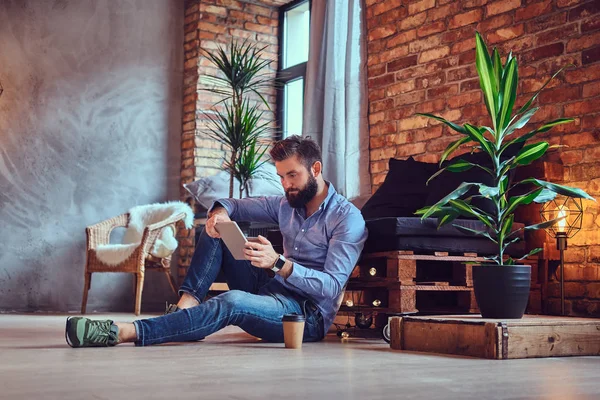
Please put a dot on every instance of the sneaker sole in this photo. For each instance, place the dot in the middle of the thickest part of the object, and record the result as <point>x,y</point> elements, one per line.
<point>66,332</point>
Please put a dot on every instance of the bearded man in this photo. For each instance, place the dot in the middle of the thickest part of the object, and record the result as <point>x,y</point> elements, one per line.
<point>323,236</point>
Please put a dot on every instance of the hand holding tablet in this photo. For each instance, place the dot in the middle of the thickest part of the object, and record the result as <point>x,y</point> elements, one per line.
<point>234,238</point>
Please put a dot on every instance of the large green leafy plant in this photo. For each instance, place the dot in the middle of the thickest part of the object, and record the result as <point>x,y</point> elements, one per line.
<point>499,86</point>
<point>236,120</point>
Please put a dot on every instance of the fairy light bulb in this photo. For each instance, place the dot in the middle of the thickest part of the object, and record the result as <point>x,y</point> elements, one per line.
<point>562,223</point>
<point>376,302</point>
<point>345,335</point>
<point>372,272</point>
<point>349,303</point>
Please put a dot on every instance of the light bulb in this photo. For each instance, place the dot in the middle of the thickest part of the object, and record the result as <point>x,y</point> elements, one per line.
<point>376,302</point>
<point>372,272</point>
<point>562,214</point>
<point>345,335</point>
<point>349,303</point>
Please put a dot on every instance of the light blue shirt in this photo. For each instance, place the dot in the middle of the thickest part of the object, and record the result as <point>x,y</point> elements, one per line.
<point>324,247</point>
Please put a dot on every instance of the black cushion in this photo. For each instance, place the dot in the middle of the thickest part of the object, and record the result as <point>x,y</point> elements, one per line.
<point>410,233</point>
<point>403,191</point>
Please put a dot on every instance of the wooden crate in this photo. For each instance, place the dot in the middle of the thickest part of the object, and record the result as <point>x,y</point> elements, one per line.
<point>530,337</point>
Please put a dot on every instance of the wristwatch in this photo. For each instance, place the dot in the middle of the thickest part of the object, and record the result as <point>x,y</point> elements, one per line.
<point>278,264</point>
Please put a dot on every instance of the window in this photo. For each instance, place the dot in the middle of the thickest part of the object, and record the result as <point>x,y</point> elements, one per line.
<point>294,20</point>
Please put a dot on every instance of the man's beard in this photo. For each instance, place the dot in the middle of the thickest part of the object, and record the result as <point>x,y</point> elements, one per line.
<point>303,196</point>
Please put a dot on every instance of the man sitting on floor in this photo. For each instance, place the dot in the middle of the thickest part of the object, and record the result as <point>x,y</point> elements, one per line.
<point>323,236</point>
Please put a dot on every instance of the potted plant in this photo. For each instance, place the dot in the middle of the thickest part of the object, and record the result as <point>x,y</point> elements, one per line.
<point>236,120</point>
<point>501,287</point>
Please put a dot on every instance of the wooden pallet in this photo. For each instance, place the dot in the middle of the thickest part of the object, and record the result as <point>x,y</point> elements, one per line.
<point>532,336</point>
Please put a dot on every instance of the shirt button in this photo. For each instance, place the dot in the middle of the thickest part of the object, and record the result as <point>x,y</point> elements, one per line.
<point>295,248</point>
<point>302,230</point>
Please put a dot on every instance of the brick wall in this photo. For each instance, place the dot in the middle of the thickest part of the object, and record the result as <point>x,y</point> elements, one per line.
<point>208,24</point>
<point>421,58</point>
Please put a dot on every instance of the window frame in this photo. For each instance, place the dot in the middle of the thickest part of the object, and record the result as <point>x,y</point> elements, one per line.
<point>287,75</point>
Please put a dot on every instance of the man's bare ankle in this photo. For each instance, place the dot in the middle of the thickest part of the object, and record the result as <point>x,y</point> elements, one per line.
<point>187,301</point>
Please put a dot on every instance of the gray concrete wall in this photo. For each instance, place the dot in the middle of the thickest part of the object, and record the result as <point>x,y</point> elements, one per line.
<point>90,124</point>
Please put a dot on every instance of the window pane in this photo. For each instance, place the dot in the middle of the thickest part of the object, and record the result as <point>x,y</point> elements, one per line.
<point>296,23</point>
<point>294,107</point>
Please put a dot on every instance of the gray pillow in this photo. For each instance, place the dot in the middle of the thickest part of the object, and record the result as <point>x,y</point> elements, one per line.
<point>207,190</point>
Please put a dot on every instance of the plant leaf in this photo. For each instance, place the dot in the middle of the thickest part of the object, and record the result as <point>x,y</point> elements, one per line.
<point>467,210</point>
<point>478,137</point>
<point>531,152</point>
<point>528,104</point>
<point>452,147</point>
<point>486,77</point>
<point>532,252</point>
<point>559,189</point>
<point>452,125</point>
<point>545,196</point>
<point>456,193</point>
<point>473,232</point>
<point>508,93</point>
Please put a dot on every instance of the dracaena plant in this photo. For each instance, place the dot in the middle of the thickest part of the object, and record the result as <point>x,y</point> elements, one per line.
<point>499,86</point>
<point>236,120</point>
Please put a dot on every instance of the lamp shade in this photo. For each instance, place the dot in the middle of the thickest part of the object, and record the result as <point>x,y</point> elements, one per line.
<point>568,211</point>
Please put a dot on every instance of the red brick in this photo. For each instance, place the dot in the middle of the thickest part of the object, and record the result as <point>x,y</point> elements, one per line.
<point>255,9</point>
<point>584,42</point>
<point>504,34</point>
<point>550,50</point>
<point>466,58</point>
<point>401,87</point>
<point>427,69</point>
<point>464,99</point>
<point>545,22</point>
<point>428,158</point>
<point>439,144</point>
<point>502,6</point>
<point>402,63</point>
<point>462,73</point>
<point>560,95</point>
<point>442,91</point>
<point>426,134</point>
<point>442,12</point>
<point>583,74</point>
<point>376,70</point>
<point>384,6</point>
<point>424,44</point>
<point>461,47</point>
<point>383,80</point>
<point>221,11</point>
<point>571,157</point>
<point>591,89</point>
<point>582,108</point>
<point>517,45</point>
<point>191,10</point>
<point>230,4</point>
<point>591,154</point>
<point>376,94</point>
<point>381,105</point>
<point>475,110</point>
<point>465,19</point>
<point>412,123</point>
<point>456,35</point>
<point>399,113</point>
<point>409,98</point>
<point>469,85</point>
<point>242,33</point>
<point>382,154</point>
<point>410,149</point>
<point>376,118</point>
<point>401,38</point>
<point>533,10</point>
<point>191,18</point>
<point>432,105</point>
<point>578,140</point>
<point>242,15</point>
<point>382,32</point>
<point>394,15</point>
<point>433,54</point>
<point>430,29</point>
<point>393,54</point>
<point>547,68</point>
<point>589,25</point>
<point>205,26</point>
<point>474,3</point>
<point>379,166</point>
<point>257,27</point>
<point>375,47</point>
<point>557,35</point>
<point>384,128</point>
<point>419,6</point>
<point>430,80</point>
<point>567,3</point>
<point>412,21</point>
<point>584,10</point>
<point>267,21</point>
<point>495,22</point>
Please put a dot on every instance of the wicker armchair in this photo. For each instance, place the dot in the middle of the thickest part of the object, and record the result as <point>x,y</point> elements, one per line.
<point>137,263</point>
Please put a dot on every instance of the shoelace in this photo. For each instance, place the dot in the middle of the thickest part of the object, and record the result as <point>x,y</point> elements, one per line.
<point>101,332</point>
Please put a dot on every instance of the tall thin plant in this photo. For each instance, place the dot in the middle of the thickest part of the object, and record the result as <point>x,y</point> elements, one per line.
<point>236,121</point>
<point>499,86</point>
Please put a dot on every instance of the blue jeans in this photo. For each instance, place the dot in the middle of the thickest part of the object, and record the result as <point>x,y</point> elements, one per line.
<point>255,302</point>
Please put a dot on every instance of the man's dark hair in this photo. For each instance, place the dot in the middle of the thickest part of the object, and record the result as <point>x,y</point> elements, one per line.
<point>306,149</point>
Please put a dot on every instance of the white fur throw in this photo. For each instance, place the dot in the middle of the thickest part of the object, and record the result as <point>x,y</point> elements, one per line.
<point>139,218</point>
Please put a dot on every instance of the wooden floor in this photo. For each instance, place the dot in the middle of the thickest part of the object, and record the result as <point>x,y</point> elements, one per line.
<point>35,362</point>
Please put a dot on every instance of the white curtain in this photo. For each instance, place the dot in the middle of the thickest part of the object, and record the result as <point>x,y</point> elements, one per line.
<point>335,102</point>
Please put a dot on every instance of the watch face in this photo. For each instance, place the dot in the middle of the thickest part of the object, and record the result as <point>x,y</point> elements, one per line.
<point>280,262</point>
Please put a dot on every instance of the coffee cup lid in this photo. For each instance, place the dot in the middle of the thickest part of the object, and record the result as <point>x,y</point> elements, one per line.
<point>293,318</point>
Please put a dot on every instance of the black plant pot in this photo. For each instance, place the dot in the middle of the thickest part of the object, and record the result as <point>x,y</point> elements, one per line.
<point>502,291</point>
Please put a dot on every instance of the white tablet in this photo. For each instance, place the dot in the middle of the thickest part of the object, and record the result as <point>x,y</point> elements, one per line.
<point>234,238</point>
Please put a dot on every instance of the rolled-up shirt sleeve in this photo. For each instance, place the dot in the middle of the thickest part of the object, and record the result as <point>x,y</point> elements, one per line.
<point>345,246</point>
<point>255,209</point>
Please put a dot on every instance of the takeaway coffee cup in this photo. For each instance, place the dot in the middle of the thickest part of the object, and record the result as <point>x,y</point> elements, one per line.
<point>293,330</point>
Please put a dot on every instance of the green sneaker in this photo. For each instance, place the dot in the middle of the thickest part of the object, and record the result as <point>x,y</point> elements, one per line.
<point>84,332</point>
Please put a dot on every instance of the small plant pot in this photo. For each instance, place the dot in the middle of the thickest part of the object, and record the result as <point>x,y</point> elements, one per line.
<point>502,291</point>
